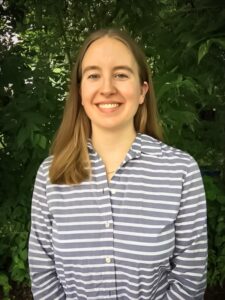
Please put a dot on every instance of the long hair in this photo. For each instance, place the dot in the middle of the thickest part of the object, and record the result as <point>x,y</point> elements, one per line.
<point>71,163</point>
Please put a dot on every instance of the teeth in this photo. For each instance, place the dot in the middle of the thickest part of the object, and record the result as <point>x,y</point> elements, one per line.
<point>108,105</point>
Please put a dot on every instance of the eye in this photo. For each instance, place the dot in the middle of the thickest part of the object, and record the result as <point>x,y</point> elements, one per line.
<point>121,75</point>
<point>93,76</point>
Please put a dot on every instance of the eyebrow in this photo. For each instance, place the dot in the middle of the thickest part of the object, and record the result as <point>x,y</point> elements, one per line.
<point>123,67</point>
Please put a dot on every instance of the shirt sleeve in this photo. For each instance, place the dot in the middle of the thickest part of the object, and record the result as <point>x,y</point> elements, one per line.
<point>44,281</point>
<point>187,280</point>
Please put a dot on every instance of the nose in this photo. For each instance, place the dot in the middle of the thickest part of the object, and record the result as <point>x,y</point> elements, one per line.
<point>107,88</point>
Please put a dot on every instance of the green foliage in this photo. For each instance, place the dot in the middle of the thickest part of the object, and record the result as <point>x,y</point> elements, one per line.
<point>185,46</point>
<point>204,47</point>
<point>4,282</point>
<point>216,231</point>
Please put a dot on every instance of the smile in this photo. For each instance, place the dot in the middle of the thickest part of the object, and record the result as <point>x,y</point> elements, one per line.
<point>108,105</point>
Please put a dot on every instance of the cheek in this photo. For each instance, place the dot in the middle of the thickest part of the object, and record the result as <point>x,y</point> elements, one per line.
<point>87,93</point>
<point>135,95</point>
<point>129,91</point>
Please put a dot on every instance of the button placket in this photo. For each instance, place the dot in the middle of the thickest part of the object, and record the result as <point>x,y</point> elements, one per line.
<point>107,252</point>
<point>108,222</point>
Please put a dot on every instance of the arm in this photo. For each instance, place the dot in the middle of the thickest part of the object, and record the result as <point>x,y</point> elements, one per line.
<point>187,280</point>
<point>45,284</point>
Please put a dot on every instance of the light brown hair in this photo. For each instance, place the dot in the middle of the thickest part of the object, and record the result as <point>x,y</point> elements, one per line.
<point>71,164</point>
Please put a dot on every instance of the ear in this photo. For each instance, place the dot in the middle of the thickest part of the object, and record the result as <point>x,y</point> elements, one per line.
<point>144,89</point>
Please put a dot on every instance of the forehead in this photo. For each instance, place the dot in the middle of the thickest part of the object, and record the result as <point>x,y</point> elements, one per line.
<point>108,50</point>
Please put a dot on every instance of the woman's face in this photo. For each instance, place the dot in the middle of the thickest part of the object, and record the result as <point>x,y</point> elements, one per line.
<point>110,87</point>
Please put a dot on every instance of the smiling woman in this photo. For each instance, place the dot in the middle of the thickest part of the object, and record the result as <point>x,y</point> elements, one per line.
<point>105,60</point>
<point>116,213</point>
<point>111,90</point>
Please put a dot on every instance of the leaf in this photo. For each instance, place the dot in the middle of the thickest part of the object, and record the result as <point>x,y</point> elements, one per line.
<point>183,117</point>
<point>220,227</point>
<point>3,279</point>
<point>163,90</point>
<point>23,254</point>
<point>203,50</point>
<point>191,86</point>
<point>40,140</point>
<point>35,118</point>
<point>23,135</point>
<point>57,70</point>
<point>4,282</point>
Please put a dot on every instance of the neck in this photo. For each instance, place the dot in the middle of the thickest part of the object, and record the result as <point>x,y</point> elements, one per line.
<point>112,146</point>
<point>112,142</point>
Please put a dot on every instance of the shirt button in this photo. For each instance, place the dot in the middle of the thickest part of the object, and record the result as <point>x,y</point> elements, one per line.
<point>107,224</point>
<point>108,260</point>
<point>113,192</point>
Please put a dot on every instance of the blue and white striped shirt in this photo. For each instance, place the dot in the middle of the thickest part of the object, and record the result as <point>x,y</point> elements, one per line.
<point>141,236</point>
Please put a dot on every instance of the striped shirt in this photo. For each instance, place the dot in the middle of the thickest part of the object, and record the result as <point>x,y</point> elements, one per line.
<point>141,236</point>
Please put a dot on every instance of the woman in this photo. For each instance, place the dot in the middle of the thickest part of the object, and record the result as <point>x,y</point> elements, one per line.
<point>116,213</point>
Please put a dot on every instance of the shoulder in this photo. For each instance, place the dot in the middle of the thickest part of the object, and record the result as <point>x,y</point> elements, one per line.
<point>44,167</point>
<point>164,152</point>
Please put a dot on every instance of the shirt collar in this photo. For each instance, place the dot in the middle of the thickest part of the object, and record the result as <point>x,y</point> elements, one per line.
<point>142,144</point>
